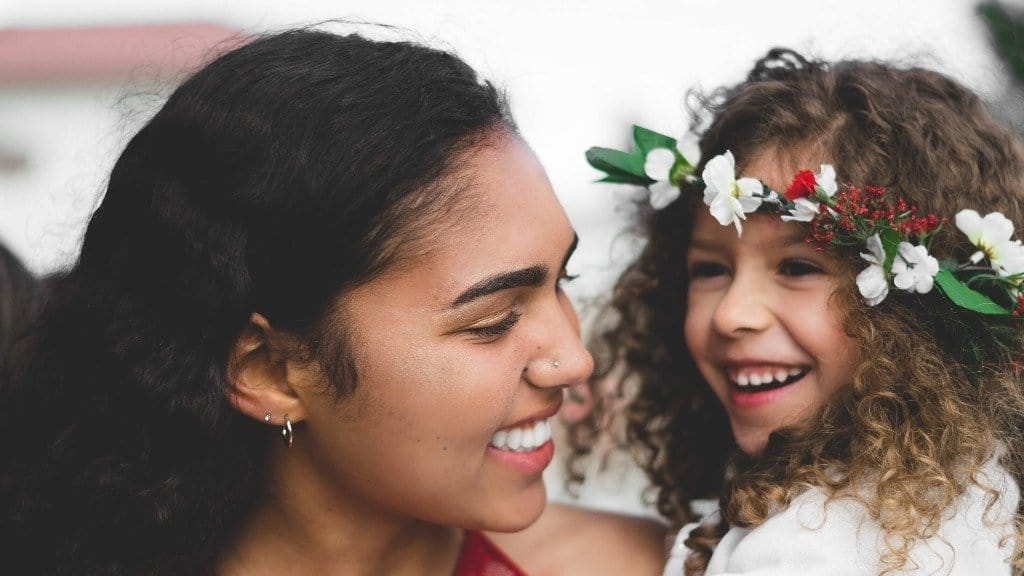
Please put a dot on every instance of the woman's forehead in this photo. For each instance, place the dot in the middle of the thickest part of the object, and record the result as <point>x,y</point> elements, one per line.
<point>508,218</point>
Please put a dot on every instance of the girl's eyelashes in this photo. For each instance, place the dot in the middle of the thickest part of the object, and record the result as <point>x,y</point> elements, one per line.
<point>492,332</point>
<point>799,268</point>
<point>707,270</point>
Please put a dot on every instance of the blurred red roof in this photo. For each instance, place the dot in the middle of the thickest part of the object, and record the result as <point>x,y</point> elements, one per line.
<point>109,52</point>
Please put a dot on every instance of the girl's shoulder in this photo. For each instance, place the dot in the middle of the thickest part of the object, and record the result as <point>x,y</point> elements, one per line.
<point>572,540</point>
<point>815,532</point>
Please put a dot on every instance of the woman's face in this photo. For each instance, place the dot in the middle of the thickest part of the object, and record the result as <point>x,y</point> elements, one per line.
<point>462,357</point>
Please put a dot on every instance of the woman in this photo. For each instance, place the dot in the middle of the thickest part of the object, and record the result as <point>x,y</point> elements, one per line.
<point>335,242</point>
<point>20,296</point>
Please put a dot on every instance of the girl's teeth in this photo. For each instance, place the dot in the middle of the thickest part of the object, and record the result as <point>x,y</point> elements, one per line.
<point>524,438</point>
<point>780,375</point>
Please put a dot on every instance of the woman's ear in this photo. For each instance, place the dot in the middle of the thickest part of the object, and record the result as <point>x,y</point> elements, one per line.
<point>261,381</point>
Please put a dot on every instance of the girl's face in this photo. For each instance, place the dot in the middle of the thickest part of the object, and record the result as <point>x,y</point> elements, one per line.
<point>462,358</point>
<point>760,323</point>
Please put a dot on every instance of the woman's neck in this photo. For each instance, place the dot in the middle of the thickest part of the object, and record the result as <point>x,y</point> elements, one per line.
<point>302,525</point>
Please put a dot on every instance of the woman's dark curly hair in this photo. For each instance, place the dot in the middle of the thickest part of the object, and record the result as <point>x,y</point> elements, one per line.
<point>915,417</point>
<point>21,295</point>
<point>282,173</point>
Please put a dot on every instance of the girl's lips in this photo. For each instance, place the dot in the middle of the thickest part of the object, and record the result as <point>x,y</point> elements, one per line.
<point>750,397</point>
<point>530,463</point>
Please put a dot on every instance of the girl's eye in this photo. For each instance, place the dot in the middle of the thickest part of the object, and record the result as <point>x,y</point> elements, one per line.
<point>799,268</point>
<point>707,270</point>
<point>494,331</point>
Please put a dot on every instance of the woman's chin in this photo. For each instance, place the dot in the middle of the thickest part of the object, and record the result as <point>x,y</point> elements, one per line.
<point>517,512</point>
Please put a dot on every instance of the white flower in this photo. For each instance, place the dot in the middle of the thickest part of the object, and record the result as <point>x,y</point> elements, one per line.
<point>991,235</point>
<point>1011,259</point>
<point>804,210</point>
<point>729,199</point>
<point>914,269</point>
<point>658,166</point>
<point>871,281</point>
<point>826,180</point>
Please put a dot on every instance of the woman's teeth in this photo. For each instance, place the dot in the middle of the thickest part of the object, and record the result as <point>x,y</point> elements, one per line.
<point>766,377</point>
<point>525,438</point>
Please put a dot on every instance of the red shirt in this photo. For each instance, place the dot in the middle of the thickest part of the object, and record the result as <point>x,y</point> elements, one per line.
<point>480,557</point>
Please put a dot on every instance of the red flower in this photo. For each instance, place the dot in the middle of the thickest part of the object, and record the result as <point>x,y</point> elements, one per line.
<point>801,186</point>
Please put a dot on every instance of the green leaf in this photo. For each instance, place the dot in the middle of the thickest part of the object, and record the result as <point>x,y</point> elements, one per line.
<point>624,179</point>
<point>890,243</point>
<point>618,163</point>
<point>1006,33</point>
<point>965,297</point>
<point>680,170</point>
<point>647,140</point>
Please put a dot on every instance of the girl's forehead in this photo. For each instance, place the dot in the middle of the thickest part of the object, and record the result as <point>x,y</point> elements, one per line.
<point>760,231</point>
<point>776,165</point>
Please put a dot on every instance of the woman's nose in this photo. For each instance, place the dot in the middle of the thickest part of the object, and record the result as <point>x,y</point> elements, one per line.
<point>561,359</point>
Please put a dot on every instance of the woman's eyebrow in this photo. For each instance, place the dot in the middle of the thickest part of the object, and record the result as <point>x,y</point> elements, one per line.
<point>532,277</point>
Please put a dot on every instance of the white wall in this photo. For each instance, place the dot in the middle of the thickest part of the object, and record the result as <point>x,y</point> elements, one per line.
<point>578,73</point>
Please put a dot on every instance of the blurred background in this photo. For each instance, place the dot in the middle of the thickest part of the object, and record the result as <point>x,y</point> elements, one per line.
<point>77,79</point>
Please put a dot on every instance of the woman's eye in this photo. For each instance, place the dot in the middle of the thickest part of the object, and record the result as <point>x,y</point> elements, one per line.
<point>492,332</point>
<point>564,278</point>
<point>799,268</point>
<point>707,270</point>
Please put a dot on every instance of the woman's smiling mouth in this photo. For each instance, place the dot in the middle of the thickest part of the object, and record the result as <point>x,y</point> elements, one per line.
<point>523,438</point>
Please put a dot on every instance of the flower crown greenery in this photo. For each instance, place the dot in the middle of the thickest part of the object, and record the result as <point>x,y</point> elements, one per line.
<point>895,237</point>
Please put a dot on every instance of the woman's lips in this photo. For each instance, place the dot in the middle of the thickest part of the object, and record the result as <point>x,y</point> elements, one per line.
<point>529,463</point>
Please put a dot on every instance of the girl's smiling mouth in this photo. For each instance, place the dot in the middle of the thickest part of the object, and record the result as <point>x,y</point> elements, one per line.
<point>754,385</point>
<point>755,379</point>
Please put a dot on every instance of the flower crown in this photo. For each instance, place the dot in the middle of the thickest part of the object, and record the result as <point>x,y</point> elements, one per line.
<point>895,237</point>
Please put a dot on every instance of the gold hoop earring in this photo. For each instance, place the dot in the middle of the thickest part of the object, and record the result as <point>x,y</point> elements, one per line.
<point>287,433</point>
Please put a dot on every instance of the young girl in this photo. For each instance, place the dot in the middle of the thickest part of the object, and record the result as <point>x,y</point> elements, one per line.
<point>306,334</point>
<point>819,332</point>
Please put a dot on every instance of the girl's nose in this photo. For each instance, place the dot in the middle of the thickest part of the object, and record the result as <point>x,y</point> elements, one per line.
<point>744,308</point>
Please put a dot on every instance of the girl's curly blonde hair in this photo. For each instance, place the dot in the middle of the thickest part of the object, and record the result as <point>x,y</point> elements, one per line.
<point>918,420</point>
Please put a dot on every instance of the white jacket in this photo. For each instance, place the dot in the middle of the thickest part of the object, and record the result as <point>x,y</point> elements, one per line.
<point>840,539</point>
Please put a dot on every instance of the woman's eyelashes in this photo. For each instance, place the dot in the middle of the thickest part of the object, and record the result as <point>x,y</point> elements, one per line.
<point>564,278</point>
<point>494,331</point>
